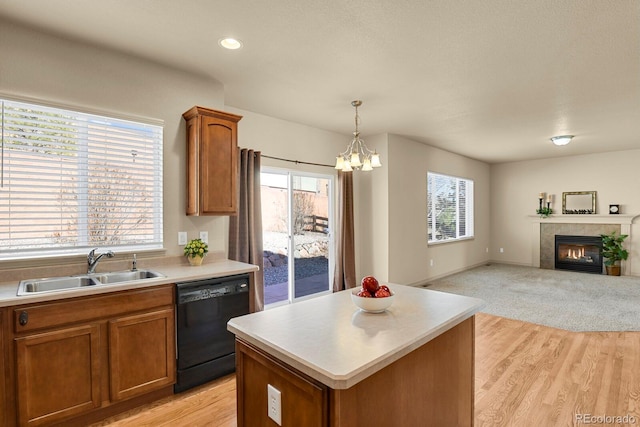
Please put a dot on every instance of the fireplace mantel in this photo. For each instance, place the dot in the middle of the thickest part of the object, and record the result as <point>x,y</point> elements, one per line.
<point>586,219</point>
<point>625,222</point>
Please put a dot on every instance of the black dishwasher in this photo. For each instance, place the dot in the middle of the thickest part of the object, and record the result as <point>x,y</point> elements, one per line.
<point>205,349</point>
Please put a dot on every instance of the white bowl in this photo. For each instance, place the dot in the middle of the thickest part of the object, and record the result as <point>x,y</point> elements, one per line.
<point>372,305</point>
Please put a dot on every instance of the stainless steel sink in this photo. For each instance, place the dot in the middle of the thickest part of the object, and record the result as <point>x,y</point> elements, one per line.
<point>126,276</point>
<point>54,284</point>
<point>28,287</point>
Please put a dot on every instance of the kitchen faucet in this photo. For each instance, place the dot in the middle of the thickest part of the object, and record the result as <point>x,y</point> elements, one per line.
<point>92,259</point>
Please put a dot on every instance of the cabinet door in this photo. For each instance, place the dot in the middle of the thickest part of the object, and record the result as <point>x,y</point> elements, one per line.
<point>58,374</point>
<point>141,353</point>
<point>218,166</point>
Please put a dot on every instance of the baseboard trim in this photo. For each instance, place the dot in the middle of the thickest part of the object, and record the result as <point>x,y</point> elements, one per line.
<point>426,281</point>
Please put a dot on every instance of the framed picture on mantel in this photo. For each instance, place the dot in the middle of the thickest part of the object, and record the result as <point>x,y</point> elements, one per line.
<point>579,202</point>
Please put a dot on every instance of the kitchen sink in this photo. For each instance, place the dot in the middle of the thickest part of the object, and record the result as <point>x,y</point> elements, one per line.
<point>125,276</point>
<point>32,286</point>
<point>54,284</point>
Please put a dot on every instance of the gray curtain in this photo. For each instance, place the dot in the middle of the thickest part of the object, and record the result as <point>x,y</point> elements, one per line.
<point>345,271</point>
<point>245,229</point>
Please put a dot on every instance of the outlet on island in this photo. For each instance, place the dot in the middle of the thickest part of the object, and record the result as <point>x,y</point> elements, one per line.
<point>274,404</point>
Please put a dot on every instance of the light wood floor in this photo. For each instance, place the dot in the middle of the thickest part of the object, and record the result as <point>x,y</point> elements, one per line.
<point>531,375</point>
<point>526,375</point>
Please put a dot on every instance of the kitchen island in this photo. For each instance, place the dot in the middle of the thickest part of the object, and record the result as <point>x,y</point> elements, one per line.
<point>335,365</point>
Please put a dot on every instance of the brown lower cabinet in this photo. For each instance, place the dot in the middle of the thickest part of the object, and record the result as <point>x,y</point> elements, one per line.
<point>432,386</point>
<point>304,400</point>
<point>78,358</point>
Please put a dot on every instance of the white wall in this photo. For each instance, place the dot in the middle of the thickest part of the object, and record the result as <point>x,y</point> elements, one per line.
<point>398,215</point>
<point>515,187</point>
<point>40,66</point>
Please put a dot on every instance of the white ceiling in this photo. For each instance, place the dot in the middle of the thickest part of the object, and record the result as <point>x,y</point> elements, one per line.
<point>489,79</point>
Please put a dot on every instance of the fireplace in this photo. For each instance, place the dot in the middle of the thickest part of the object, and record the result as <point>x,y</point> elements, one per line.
<point>578,253</point>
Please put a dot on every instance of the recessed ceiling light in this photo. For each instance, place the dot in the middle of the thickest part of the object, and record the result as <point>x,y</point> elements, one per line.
<point>562,139</point>
<point>230,43</point>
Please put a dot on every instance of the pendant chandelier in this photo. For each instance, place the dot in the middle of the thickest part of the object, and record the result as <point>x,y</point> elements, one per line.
<point>357,155</point>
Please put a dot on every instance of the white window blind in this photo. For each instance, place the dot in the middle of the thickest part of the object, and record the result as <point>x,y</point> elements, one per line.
<point>449,208</point>
<point>70,181</point>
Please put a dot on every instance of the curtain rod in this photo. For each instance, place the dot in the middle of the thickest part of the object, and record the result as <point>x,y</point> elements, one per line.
<point>296,161</point>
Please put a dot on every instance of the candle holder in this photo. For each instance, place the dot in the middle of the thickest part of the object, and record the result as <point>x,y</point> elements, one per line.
<point>544,211</point>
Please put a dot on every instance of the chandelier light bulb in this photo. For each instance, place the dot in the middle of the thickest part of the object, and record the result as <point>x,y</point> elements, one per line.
<point>355,159</point>
<point>375,160</point>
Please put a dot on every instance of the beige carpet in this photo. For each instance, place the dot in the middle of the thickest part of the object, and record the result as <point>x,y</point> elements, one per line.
<point>560,299</point>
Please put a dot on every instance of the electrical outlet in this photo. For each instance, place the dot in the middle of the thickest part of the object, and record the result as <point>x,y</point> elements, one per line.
<point>487,250</point>
<point>182,237</point>
<point>204,236</point>
<point>274,404</point>
<point>501,250</point>
<point>431,262</point>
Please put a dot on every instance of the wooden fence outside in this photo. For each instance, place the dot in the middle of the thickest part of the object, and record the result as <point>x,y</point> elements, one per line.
<point>316,223</point>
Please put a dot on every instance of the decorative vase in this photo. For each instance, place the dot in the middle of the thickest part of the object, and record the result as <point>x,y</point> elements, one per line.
<point>195,260</point>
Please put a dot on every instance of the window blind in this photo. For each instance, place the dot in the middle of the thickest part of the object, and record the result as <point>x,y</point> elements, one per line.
<point>72,181</point>
<point>449,208</point>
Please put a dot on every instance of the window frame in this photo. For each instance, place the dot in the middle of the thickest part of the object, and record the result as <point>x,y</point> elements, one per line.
<point>112,122</point>
<point>469,220</point>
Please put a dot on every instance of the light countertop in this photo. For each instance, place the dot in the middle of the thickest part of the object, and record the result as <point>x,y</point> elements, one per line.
<point>173,273</point>
<point>332,341</point>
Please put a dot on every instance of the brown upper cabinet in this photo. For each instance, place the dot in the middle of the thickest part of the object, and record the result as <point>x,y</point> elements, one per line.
<point>212,162</point>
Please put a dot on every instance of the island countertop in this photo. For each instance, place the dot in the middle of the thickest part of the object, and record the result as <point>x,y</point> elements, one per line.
<point>331,340</point>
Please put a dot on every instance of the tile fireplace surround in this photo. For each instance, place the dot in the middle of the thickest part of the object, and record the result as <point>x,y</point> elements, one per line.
<point>545,229</point>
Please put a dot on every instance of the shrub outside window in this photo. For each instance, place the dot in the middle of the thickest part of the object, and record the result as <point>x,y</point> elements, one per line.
<point>449,208</point>
<point>70,181</point>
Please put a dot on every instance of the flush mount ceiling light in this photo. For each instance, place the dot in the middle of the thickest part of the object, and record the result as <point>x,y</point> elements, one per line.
<point>230,43</point>
<point>562,139</point>
<point>357,155</point>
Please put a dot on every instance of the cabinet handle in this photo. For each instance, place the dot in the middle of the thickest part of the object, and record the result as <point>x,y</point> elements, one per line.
<point>24,318</point>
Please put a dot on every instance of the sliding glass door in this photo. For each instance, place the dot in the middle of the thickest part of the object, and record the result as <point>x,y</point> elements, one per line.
<point>296,221</point>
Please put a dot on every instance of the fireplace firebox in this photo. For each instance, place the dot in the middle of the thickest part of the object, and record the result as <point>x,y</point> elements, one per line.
<point>579,253</point>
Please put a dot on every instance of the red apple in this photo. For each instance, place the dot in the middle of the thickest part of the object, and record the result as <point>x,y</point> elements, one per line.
<point>370,284</point>
<point>386,288</point>
<point>382,293</point>
<point>364,294</point>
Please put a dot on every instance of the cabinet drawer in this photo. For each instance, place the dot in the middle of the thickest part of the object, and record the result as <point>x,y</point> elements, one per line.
<point>40,316</point>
